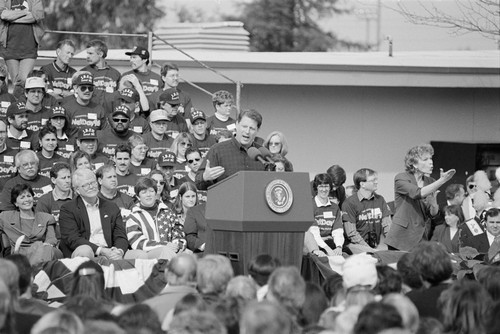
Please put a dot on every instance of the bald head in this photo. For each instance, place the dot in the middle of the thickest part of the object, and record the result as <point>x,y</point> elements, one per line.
<point>181,270</point>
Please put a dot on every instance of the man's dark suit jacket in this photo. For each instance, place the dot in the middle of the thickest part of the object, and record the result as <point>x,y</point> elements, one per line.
<point>75,226</point>
<point>479,242</point>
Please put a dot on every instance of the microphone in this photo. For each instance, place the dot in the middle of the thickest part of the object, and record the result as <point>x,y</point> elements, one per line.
<point>266,154</point>
<point>255,154</point>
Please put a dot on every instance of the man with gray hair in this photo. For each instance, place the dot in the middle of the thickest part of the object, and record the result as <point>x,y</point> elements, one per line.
<point>180,275</point>
<point>213,275</point>
<point>27,168</point>
<point>91,226</point>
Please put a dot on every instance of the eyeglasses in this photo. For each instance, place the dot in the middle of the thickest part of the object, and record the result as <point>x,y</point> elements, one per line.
<point>89,185</point>
<point>372,181</point>
<point>185,144</point>
<point>2,78</point>
<point>274,143</point>
<point>120,120</point>
<point>29,164</point>
<point>87,88</point>
<point>142,147</point>
<point>36,91</point>
<point>193,160</point>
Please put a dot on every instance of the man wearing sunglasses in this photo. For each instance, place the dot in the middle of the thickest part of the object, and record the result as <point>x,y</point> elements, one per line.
<point>82,111</point>
<point>118,133</point>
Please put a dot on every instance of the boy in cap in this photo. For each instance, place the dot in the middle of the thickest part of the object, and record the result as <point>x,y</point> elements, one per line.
<point>5,97</point>
<point>18,137</point>
<point>170,76</point>
<point>157,140</point>
<point>87,142</point>
<point>166,164</point>
<point>66,136</point>
<point>170,102</point>
<point>202,139</point>
<point>82,111</point>
<point>106,78</point>
<point>59,72</point>
<point>139,60</point>
<point>118,133</point>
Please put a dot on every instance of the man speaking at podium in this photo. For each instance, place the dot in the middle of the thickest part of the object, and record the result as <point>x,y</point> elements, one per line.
<point>231,156</point>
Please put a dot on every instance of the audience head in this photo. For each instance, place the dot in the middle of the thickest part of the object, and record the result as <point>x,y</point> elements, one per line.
<point>362,175</point>
<point>264,318</point>
<point>409,274</point>
<point>103,327</point>
<point>453,215</point>
<point>24,269</point>
<point>332,285</point>
<point>186,197</point>
<point>196,322</point>
<point>314,304</point>
<point>181,270</point>
<point>488,277</point>
<point>415,154</point>
<point>376,317</point>
<point>359,270</point>
<point>464,306</point>
<point>27,163</point>
<point>190,302</point>
<point>213,274</point>
<point>61,318</point>
<point>242,288</point>
<point>88,280</point>
<point>86,307</point>
<point>223,102</point>
<point>287,288</point>
<point>337,174</point>
<point>482,181</point>
<point>276,143</point>
<point>261,267</point>
<point>7,312</point>
<point>139,317</point>
<point>492,219</point>
<point>322,179</point>
<point>455,193</point>
<point>389,280</point>
<point>432,261</point>
<point>10,276</point>
<point>60,176</point>
<point>80,160</point>
<point>22,191</point>
<point>406,308</point>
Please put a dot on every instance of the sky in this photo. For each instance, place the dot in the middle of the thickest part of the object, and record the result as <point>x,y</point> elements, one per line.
<point>361,25</point>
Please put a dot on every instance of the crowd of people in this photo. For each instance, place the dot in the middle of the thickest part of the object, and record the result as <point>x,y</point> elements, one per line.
<point>107,165</point>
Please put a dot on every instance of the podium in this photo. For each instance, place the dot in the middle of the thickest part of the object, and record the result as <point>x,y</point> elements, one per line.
<point>252,213</point>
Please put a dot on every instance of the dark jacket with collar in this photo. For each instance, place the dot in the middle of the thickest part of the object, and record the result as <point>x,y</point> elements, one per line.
<point>75,226</point>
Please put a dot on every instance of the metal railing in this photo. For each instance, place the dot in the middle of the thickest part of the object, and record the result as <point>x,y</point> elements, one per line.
<point>150,35</point>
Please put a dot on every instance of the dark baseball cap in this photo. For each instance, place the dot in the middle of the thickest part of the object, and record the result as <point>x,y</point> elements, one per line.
<point>17,108</point>
<point>170,96</point>
<point>167,158</point>
<point>87,133</point>
<point>129,95</point>
<point>140,51</point>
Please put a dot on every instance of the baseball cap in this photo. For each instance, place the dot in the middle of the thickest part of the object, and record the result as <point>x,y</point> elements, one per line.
<point>121,110</point>
<point>198,114</point>
<point>170,96</point>
<point>87,133</point>
<point>360,270</point>
<point>84,79</point>
<point>167,158</point>
<point>34,82</point>
<point>158,115</point>
<point>57,111</point>
<point>140,51</point>
<point>17,108</point>
<point>129,95</point>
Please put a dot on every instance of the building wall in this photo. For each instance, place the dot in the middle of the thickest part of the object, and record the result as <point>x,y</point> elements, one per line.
<point>370,127</point>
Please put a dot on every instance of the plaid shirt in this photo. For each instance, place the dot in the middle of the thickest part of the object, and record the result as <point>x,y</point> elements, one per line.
<point>230,155</point>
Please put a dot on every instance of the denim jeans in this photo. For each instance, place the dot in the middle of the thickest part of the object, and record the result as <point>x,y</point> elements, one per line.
<point>18,71</point>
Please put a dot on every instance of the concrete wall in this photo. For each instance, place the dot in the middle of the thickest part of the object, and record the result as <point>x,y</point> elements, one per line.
<point>366,126</point>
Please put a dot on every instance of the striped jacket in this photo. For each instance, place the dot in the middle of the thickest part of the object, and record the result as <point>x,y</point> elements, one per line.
<point>144,234</point>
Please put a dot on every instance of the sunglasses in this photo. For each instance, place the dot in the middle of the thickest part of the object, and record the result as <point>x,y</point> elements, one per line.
<point>87,88</point>
<point>193,160</point>
<point>472,186</point>
<point>274,143</point>
<point>120,120</point>
<point>162,183</point>
<point>2,78</point>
